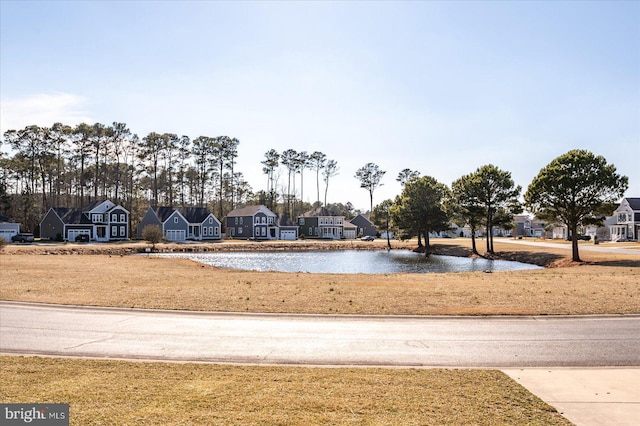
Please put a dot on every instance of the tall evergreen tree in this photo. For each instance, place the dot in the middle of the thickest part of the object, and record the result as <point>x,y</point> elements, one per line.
<point>575,188</point>
<point>370,176</point>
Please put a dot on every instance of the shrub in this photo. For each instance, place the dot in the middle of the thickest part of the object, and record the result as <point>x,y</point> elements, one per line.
<point>152,234</point>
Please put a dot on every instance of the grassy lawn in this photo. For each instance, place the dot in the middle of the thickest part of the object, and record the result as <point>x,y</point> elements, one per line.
<point>135,393</point>
<point>102,392</point>
<point>606,284</point>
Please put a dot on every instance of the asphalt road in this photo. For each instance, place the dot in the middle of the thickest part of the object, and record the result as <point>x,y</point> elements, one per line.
<point>499,342</point>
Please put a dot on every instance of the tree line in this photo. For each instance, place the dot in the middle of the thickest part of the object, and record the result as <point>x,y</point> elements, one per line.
<point>576,189</point>
<point>71,166</point>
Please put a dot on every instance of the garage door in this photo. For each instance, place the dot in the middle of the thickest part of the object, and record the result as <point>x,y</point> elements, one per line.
<point>288,235</point>
<point>175,235</point>
<point>73,233</point>
<point>349,234</point>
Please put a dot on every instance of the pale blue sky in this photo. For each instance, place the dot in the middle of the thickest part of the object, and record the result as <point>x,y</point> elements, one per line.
<point>438,87</point>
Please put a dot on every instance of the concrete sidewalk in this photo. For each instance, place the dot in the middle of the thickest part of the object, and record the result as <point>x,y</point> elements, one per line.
<point>586,396</point>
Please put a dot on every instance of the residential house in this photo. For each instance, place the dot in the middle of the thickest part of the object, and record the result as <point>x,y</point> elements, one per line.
<point>288,230</point>
<point>252,222</point>
<point>364,226</point>
<point>101,220</point>
<point>182,223</point>
<point>627,221</point>
<point>321,223</point>
<point>8,228</point>
<point>349,230</point>
<point>528,227</point>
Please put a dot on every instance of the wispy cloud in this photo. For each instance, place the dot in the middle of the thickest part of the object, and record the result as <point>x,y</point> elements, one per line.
<point>42,110</point>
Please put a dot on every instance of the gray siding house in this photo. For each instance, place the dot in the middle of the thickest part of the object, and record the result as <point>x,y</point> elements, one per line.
<point>182,223</point>
<point>252,222</point>
<point>364,226</point>
<point>102,221</point>
<point>321,223</point>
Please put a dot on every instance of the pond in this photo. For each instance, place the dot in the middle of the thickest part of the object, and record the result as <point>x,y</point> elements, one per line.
<point>349,262</point>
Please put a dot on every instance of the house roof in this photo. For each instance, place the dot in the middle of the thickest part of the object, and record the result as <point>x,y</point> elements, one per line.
<point>320,211</point>
<point>71,216</point>
<point>93,205</point>
<point>634,203</point>
<point>250,211</point>
<point>194,214</point>
<point>163,212</point>
<point>361,216</point>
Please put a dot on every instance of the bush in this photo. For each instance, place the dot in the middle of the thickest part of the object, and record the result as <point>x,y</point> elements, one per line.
<point>152,234</point>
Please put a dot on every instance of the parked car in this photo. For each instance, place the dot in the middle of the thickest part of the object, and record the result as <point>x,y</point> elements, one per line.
<point>22,237</point>
<point>82,238</point>
<point>368,238</point>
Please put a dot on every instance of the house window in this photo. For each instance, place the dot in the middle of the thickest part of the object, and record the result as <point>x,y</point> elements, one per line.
<point>210,220</point>
<point>311,230</point>
<point>623,218</point>
<point>215,231</point>
<point>239,231</point>
<point>114,217</point>
<point>175,220</point>
<point>122,218</point>
<point>123,231</point>
<point>241,220</point>
<point>236,220</point>
<point>211,230</point>
<point>204,231</point>
<point>301,220</point>
<point>114,231</point>
<point>270,220</point>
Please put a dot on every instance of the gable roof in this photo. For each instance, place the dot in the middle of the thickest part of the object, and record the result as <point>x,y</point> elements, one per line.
<point>163,212</point>
<point>93,205</point>
<point>71,216</point>
<point>251,211</point>
<point>194,214</point>
<point>634,203</point>
<point>361,216</point>
<point>320,211</point>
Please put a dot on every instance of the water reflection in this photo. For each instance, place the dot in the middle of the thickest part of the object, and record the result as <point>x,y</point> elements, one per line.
<point>349,262</point>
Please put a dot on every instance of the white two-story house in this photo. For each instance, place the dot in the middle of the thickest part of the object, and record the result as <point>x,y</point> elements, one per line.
<point>627,221</point>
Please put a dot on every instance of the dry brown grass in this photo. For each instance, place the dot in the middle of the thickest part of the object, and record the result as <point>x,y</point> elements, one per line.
<point>606,284</point>
<point>133,393</point>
